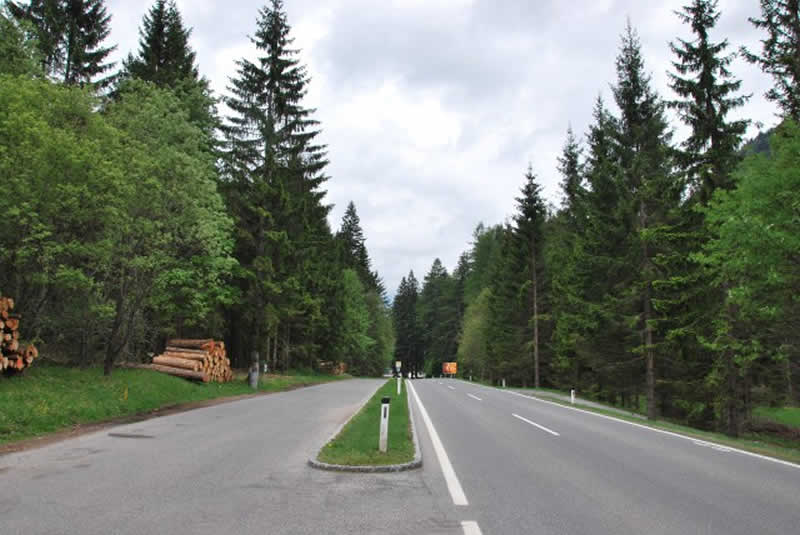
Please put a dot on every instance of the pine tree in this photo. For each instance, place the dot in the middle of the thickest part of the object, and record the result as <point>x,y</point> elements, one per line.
<point>780,55</point>
<point>439,317</point>
<point>70,35</point>
<point>353,248</point>
<point>272,178</point>
<point>685,292</point>
<point>571,170</point>
<point>46,16</point>
<point>652,193</point>
<point>528,236</point>
<point>165,57</point>
<point>406,325</point>
<point>706,88</point>
<point>564,249</point>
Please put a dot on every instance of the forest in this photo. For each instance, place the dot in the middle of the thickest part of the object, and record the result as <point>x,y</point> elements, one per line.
<point>136,212</point>
<point>139,206</point>
<point>668,278</point>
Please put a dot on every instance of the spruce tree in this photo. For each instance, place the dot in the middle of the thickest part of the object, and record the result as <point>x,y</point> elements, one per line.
<point>780,52</point>
<point>685,292</point>
<point>528,237</point>
<point>438,317</point>
<point>652,194</point>
<point>564,249</point>
<point>272,178</point>
<point>571,170</point>
<point>70,35</point>
<point>165,57</point>
<point>353,248</point>
<point>406,325</point>
<point>707,90</point>
<point>46,16</point>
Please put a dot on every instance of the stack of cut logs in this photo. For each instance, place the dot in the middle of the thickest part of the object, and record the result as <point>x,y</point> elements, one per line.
<point>13,356</point>
<point>201,360</point>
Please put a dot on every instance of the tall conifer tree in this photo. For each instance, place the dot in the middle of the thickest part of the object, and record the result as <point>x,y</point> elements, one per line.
<point>707,96</point>
<point>70,34</point>
<point>652,193</point>
<point>272,178</point>
<point>780,52</point>
<point>164,57</point>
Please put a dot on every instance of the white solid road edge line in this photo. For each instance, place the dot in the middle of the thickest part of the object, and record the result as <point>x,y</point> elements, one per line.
<point>697,441</point>
<point>471,527</point>
<point>543,428</point>
<point>475,397</point>
<point>453,485</point>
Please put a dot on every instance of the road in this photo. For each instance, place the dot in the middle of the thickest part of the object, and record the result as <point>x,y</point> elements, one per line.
<point>529,466</point>
<point>496,463</point>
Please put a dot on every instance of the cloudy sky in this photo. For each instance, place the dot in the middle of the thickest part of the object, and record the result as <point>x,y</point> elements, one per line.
<point>432,109</point>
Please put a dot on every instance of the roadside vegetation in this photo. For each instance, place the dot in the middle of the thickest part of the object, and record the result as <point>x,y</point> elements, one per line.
<point>51,397</point>
<point>357,443</point>
<point>137,213</point>
<point>666,280</point>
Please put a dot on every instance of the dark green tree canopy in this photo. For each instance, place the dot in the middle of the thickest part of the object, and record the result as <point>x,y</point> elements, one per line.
<point>164,57</point>
<point>707,90</point>
<point>780,52</point>
<point>70,34</point>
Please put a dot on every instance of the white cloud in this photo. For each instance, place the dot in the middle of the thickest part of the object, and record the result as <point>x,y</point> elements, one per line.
<point>432,109</point>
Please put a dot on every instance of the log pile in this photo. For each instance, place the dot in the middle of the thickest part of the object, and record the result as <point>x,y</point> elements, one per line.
<point>332,368</point>
<point>14,357</point>
<point>200,360</point>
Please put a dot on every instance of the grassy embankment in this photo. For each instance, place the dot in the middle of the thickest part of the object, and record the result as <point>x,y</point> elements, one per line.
<point>50,398</point>
<point>357,443</point>
<point>762,443</point>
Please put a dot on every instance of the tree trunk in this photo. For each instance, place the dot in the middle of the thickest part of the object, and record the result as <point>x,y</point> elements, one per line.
<point>789,385</point>
<point>535,282</point>
<point>286,349</point>
<point>652,412</point>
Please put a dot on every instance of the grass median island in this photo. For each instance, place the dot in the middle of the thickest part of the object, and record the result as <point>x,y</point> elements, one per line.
<point>357,443</point>
<point>49,398</point>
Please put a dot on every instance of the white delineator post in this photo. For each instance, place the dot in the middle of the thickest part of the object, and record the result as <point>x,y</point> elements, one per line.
<point>572,396</point>
<point>384,438</point>
<point>504,383</point>
<point>398,385</point>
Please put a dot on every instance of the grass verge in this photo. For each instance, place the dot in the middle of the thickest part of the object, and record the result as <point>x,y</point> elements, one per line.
<point>786,450</point>
<point>357,443</point>
<point>49,398</point>
<point>780,415</point>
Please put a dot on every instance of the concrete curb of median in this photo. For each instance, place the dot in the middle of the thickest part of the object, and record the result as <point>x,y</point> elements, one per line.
<point>374,469</point>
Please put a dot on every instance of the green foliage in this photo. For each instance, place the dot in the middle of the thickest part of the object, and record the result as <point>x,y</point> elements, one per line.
<point>780,54</point>
<point>18,51</point>
<point>165,57</point>
<point>70,38</point>
<point>353,326</point>
<point>409,344</point>
<point>272,178</point>
<point>50,398</point>
<point>120,220</point>
<point>472,357</point>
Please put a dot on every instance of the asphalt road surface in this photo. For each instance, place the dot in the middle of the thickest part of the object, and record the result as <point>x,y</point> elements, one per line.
<point>495,463</point>
<point>535,467</point>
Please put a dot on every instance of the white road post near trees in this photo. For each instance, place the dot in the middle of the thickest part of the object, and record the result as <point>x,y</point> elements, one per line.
<point>384,438</point>
<point>572,396</point>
